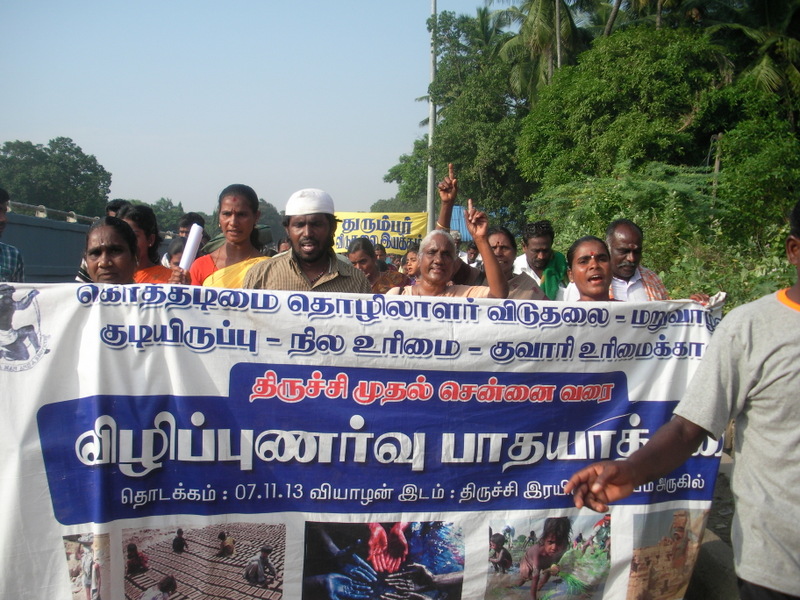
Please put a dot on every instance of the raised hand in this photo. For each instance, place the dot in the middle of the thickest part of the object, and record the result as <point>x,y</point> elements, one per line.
<point>448,187</point>
<point>477,221</point>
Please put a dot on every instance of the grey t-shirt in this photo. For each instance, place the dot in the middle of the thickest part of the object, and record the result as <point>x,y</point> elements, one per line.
<point>751,373</point>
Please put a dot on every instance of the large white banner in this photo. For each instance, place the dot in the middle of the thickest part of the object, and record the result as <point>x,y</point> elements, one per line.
<point>320,446</point>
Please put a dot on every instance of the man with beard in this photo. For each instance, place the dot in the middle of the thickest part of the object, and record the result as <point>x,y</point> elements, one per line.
<point>311,264</point>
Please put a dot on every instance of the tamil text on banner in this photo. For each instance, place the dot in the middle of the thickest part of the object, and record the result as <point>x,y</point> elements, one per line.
<point>238,444</point>
<point>396,231</point>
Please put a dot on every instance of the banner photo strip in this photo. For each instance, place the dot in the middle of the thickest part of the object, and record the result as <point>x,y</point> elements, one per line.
<point>238,444</point>
<point>396,231</point>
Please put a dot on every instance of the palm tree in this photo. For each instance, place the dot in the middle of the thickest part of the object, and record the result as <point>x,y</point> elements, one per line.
<point>547,32</point>
<point>489,35</point>
<point>772,30</point>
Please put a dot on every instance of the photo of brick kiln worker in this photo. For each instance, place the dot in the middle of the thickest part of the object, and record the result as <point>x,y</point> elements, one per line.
<point>227,545</point>
<point>259,567</point>
<point>179,542</point>
<point>136,562</point>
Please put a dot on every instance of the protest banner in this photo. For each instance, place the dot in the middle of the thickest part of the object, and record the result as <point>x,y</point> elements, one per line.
<point>323,446</point>
<point>396,231</point>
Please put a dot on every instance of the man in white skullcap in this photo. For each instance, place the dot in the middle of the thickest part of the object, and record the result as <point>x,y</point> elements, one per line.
<point>311,264</point>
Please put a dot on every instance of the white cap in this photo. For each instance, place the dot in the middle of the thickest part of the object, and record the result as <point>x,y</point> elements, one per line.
<point>309,201</point>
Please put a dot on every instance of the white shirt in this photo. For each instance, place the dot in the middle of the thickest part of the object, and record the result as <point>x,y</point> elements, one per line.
<point>632,290</point>
<point>521,266</point>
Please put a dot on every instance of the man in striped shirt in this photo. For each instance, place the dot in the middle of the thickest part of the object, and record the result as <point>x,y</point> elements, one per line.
<point>311,264</point>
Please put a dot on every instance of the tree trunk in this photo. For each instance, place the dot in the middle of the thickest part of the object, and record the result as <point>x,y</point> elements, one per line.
<point>612,17</point>
<point>558,33</point>
<point>717,165</point>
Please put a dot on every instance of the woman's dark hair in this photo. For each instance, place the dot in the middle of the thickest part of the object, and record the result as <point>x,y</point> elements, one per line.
<point>132,550</point>
<point>175,246</point>
<point>499,229</point>
<point>120,226</point>
<point>145,219</point>
<point>245,192</point>
<point>362,244</point>
<point>578,242</point>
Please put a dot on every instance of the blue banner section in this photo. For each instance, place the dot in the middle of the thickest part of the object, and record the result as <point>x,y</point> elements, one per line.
<point>350,440</point>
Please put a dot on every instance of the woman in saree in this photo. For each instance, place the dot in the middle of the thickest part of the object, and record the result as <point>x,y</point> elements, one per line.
<point>227,265</point>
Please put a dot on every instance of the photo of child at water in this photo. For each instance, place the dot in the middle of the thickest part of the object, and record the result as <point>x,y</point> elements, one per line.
<point>547,563</point>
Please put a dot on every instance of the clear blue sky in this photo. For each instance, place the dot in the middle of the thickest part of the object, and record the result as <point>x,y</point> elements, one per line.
<point>179,98</point>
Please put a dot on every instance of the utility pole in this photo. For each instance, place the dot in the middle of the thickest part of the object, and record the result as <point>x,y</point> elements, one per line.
<point>431,125</point>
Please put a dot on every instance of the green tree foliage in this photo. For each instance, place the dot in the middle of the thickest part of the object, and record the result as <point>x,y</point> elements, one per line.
<point>634,97</point>
<point>760,159</point>
<point>272,219</point>
<point>411,177</point>
<point>167,214</point>
<point>685,240</point>
<point>548,38</point>
<point>766,37</point>
<point>59,176</point>
<point>705,230</point>
<point>683,118</point>
<point>479,120</point>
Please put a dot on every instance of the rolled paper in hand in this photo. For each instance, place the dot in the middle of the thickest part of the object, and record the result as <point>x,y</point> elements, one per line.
<point>192,244</point>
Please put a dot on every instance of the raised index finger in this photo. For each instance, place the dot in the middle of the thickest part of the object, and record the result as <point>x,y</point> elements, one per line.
<point>469,205</point>
<point>450,172</point>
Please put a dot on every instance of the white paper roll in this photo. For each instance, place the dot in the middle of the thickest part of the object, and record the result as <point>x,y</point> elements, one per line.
<point>192,244</point>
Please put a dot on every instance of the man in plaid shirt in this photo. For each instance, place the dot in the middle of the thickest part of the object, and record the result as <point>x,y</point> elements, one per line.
<point>11,268</point>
